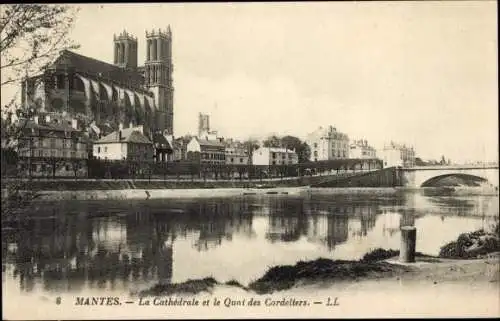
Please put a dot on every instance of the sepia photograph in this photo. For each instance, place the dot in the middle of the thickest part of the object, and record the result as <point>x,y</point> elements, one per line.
<point>249,160</point>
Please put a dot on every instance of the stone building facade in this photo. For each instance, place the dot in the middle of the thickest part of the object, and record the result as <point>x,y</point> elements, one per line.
<point>125,144</point>
<point>326,143</point>
<point>274,156</point>
<point>360,149</point>
<point>236,153</point>
<point>206,151</point>
<point>52,145</point>
<point>396,154</point>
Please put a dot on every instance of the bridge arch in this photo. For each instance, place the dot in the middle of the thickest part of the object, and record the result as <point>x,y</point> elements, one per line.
<point>416,177</point>
<point>470,178</point>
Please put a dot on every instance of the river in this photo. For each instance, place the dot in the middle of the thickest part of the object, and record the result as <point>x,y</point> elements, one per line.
<point>114,247</point>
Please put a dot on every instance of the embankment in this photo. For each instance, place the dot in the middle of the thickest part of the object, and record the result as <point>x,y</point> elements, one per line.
<point>377,178</point>
<point>387,177</point>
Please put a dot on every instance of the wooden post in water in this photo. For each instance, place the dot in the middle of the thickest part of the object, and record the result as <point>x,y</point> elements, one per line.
<point>408,244</point>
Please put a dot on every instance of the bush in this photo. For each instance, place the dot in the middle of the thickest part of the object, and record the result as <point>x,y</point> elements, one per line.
<point>472,245</point>
<point>379,255</point>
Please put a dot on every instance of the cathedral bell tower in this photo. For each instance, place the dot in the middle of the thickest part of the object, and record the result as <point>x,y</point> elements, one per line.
<point>125,50</point>
<point>158,76</point>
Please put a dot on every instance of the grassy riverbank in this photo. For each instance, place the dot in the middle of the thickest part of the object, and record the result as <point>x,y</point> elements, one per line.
<point>323,271</point>
<point>377,264</point>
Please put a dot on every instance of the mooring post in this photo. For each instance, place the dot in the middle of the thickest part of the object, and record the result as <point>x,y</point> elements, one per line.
<point>408,244</point>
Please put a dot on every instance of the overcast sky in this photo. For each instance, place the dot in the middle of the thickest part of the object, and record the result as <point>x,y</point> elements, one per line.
<point>421,73</point>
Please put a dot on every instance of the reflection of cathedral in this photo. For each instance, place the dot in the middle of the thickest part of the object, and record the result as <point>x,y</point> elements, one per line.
<point>76,250</point>
<point>70,252</point>
<point>107,95</point>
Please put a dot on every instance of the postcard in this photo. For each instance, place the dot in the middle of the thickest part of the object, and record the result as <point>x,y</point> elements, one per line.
<point>241,160</point>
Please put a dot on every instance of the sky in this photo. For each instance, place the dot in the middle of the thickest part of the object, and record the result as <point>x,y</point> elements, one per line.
<point>419,73</point>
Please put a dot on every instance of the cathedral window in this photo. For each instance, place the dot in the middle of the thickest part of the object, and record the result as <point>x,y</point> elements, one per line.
<point>60,82</point>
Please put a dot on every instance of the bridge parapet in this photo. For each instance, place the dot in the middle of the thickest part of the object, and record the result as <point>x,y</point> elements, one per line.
<point>459,167</point>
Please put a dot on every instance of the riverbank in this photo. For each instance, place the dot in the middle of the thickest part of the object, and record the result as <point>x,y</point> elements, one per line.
<point>458,288</point>
<point>86,184</point>
<point>474,256</point>
<point>153,184</point>
<point>325,272</point>
<point>146,194</point>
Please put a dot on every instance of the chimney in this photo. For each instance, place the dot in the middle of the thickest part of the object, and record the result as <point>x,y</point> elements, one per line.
<point>47,118</point>
<point>120,135</point>
<point>120,126</point>
<point>35,119</point>
<point>130,125</point>
<point>74,123</point>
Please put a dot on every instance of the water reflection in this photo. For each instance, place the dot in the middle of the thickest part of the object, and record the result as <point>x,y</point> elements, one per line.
<point>121,245</point>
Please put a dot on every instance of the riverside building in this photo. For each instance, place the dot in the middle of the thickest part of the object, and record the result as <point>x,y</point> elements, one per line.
<point>52,145</point>
<point>327,143</point>
<point>124,144</point>
<point>395,154</point>
<point>361,149</point>
<point>274,156</point>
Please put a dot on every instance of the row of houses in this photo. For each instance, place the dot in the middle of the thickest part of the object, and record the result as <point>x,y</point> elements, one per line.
<point>56,144</point>
<point>220,152</point>
<point>132,144</point>
<point>326,143</point>
<point>58,136</point>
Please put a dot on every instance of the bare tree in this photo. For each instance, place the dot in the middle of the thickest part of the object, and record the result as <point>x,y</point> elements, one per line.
<point>31,36</point>
<point>250,145</point>
<point>55,164</point>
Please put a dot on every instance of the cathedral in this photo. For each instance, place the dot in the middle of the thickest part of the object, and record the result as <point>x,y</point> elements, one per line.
<point>107,97</point>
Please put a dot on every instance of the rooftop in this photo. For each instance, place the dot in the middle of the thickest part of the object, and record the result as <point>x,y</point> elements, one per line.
<point>162,141</point>
<point>210,142</point>
<point>52,126</point>
<point>328,131</point>
<point>393,145</point>
<point>279,149</point>
<point>128,135</point>
<point>98,68</point>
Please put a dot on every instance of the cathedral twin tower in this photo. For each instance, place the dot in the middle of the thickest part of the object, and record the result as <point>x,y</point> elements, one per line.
<point>156,72</point>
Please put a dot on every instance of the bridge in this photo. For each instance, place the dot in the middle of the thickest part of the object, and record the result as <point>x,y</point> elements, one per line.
<point>423,176</point>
